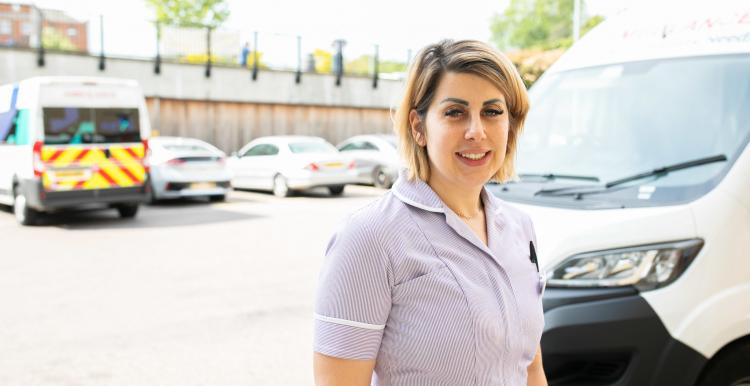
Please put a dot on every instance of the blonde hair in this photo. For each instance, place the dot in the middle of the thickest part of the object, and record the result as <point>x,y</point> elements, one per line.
<point>466,57</point>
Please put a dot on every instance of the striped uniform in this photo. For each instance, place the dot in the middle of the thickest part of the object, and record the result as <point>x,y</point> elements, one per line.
<point>408,283</point>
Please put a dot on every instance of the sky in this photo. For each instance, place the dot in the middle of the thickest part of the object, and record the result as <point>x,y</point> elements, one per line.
<point>397,26</point>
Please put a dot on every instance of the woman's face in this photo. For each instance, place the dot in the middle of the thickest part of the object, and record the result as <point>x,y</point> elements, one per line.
<point>467,130</point>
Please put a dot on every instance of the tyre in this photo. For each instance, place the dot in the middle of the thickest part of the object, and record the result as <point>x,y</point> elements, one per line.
<point>729,368</point>
<point>280,188</point>
<point>381,179</point>
<point>336,190</point>
<point>217,198</point>
<point>24,214</point>
<point>127,210</point>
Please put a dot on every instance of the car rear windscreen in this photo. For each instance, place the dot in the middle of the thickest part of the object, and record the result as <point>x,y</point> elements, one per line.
<point>311,147</point>
<point>76,125</point>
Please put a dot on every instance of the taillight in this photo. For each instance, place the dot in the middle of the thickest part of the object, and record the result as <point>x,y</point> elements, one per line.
<point>352,165</point>
<point>37,159</point>
<point>176,162</point>
<point>313,167</point>
<point>145,160</point>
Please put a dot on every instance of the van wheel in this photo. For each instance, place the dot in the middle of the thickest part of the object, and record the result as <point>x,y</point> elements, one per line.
<point>24,214</point>
<point>127,210</point>
<point>729,369</point>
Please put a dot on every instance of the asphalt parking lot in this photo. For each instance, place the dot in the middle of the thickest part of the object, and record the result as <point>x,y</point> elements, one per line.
<point>187,293</point>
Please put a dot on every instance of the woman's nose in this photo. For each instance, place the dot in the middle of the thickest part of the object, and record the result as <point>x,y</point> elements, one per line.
<point>475,131</point>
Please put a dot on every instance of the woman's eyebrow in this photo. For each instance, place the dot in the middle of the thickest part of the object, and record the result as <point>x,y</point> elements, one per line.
<point>491,101</point>
<point>466,103</point>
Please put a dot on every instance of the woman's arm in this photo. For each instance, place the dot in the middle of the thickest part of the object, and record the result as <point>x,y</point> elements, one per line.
<point>330,371</point>
<point>536,370</point>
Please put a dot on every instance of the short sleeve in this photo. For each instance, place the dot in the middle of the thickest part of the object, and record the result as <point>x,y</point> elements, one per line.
<point>353,299</point>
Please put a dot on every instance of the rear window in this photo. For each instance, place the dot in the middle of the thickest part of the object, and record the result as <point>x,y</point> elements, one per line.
<point>75,125</point>
<point>312,147</point>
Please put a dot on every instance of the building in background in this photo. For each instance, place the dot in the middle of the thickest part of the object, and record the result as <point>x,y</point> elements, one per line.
<point>19,27</point>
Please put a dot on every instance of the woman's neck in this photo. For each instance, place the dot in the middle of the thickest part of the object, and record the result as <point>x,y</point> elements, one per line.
<point>464,200</point>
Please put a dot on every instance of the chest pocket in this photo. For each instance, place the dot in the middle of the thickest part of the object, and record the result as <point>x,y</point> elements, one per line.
<point>528,289</point>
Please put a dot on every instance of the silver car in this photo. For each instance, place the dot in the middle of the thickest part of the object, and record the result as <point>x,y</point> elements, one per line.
<point>283,164</point>
<point>187,167</point>
<point>376,156</point>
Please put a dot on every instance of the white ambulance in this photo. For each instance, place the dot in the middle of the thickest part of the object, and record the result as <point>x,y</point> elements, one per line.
<point>69,142</point>
<point>635,167</point>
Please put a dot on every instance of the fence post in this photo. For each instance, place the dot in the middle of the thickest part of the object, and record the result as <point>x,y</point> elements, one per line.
<point>255,55</point>
<point>208,51</point>
<point>40,28</point>
<point>298,76</point>
<point>375,70</point>
<point>157,62</point>
<point>338,60</point>
<point>101,41</point>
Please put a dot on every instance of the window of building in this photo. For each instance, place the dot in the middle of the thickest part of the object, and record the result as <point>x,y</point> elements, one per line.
<point>72,32</point>
<point>26,29</point>
<point>5,27</point>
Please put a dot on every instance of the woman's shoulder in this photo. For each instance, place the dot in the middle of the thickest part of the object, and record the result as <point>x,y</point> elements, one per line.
<point>378,218</point>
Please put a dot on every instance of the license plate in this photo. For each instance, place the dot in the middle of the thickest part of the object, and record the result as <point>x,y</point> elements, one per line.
<point>69,174</point>
<point>203,185</point>
<point>335,165</point>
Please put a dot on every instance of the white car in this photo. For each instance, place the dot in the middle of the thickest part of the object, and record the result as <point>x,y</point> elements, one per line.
<point>376,156</point>
<point>187,167</point>
<point>282,164</point>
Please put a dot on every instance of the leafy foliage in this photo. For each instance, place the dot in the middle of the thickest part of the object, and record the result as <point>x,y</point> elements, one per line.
<point>190,13</point>
<point>537,24</point>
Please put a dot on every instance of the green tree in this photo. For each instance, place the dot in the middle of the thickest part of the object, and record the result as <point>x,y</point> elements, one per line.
<point>538,24</point>
<point>190,13</point>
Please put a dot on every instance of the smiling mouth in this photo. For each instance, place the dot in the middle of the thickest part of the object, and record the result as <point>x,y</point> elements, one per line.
<point>473,156</point>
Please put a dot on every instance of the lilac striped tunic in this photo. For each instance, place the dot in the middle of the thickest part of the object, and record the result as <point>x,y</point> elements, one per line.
<point>408,283</point>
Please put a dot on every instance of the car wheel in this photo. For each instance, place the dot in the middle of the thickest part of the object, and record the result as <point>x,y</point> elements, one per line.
<point>24,214</point>
<point>280,188</point>
<point>336,190</point>
<point>217,198</point>
<point>127,210</point>
<point>729,368</point>
<point>381,179</point>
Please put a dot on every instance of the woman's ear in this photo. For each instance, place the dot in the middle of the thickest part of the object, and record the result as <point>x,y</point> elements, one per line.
<point>417,128</point>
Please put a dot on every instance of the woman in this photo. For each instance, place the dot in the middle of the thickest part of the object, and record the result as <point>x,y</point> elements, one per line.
<point>436,282</point>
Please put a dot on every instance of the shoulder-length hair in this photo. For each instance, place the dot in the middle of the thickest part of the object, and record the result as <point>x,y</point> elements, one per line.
<point>465,57</point>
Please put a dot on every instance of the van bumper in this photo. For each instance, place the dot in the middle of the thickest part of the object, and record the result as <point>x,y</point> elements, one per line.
<point>611,337</point>
<point>42,200</point>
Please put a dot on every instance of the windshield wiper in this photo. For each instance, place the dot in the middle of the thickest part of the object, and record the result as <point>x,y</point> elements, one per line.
<point>552,176</point>
<point>658,172</point>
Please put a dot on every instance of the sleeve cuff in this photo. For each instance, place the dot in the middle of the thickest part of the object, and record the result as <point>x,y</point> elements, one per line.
<point>347,339</point>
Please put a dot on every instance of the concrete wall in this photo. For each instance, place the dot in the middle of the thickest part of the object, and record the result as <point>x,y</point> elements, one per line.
<point>229,108</point>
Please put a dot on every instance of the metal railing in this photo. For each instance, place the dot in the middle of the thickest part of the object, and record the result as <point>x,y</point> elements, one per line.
<point>256,51</point>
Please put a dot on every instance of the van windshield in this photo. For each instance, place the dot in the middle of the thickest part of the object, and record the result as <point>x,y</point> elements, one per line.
<point>76,125</point>
<point>617,120</point>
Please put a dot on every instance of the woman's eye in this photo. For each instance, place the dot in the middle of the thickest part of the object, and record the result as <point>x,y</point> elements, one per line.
<point>493,112</point>
<point>453,113</point>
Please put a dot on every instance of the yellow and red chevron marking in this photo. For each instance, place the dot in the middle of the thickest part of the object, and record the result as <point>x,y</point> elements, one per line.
<point>78,167</point>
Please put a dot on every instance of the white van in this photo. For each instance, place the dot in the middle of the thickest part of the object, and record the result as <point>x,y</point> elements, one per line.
<point>635,167</point>
<point>68,142</point>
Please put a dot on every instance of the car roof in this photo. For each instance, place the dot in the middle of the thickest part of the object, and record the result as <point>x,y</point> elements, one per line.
<point>369,137</point>
<point>283,139</point>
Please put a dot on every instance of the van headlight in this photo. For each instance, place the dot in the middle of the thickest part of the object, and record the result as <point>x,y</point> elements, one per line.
<point>645,267</point>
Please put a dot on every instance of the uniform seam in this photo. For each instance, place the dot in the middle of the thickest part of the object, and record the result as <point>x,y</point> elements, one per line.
<point>455,279</point>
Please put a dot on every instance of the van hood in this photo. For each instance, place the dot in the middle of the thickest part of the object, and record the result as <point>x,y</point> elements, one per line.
<point>562,232</point>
